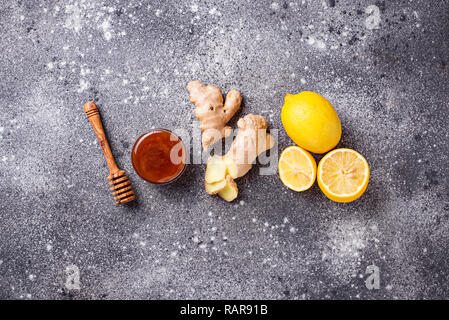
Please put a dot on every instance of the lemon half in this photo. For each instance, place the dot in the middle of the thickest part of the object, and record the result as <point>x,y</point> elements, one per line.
<point>297,168</point>
<point>343,175</point>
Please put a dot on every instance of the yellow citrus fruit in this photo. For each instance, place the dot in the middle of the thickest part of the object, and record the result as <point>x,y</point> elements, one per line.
<point>343,175</point>
<point>311,121</point>
<point>297,168</point>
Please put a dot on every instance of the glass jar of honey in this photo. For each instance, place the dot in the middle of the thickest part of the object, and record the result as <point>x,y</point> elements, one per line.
<point>158,156</point>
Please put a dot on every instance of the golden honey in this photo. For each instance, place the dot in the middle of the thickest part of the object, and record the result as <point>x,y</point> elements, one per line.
<point>158,156</point>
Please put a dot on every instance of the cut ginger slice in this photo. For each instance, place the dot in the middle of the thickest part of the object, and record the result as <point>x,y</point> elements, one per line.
<point>231,167</point>
<point>230,191</point>
<point>343,175</point>
<point>297,168</point>
<point>215,169</point>
<point>215,187</point>
<point>220,172</point>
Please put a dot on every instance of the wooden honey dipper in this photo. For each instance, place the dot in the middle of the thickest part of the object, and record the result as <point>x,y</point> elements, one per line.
<point>120,185</point>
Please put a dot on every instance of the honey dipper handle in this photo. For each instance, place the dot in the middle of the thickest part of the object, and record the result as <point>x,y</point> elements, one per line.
<point>91,110</point>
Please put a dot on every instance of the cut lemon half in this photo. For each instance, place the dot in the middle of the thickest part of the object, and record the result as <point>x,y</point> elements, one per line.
<point>297,168</point>
<point>343,175</point>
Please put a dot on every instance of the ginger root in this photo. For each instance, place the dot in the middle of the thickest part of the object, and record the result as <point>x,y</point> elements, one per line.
<point>211,112</point>
<point>230,191</point>
<point>251,140</point>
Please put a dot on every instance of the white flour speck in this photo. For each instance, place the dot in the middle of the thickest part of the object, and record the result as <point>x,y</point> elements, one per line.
<point>194,8</point>
<point>106,27</point>
<point>107,35</point>
<point>82,86</point>
<point>343,251</point>
<point>275,6</point>
<point>84,71</point>
<point>320,45</point>
<point>73,20</point>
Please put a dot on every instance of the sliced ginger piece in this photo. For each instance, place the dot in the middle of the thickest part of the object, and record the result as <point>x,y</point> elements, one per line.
<point>230,191</point>
<point>215,187</point>
<point>231,167</point>
<point>215,170</point>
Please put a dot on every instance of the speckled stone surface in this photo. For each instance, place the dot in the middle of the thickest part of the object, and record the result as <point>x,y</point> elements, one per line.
<point>382,64</point>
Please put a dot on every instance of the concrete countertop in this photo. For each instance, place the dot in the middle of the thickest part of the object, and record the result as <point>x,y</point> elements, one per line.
<point>382,64</point>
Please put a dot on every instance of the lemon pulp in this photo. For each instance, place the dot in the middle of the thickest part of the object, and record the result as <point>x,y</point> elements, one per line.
<point>297,168</point>
<point>343,175</point>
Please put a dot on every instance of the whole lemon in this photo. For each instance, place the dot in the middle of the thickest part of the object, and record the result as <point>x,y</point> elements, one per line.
<point>311,121</point>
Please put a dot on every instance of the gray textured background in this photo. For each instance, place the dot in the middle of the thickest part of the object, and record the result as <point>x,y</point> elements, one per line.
<point>388,85</point>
